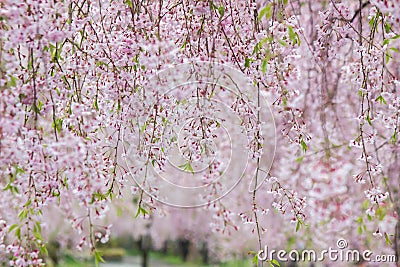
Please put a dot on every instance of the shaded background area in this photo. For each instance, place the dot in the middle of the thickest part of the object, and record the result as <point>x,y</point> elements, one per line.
<point>125,251</point>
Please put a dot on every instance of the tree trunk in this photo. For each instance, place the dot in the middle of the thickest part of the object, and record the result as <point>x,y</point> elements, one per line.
<point>397,240</point>
<point>204,253</point>
<point>145,258</point>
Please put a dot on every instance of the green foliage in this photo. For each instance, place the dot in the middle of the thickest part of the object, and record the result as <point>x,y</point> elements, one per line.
<point>187,167</point>
<point>387,239</point>
<point>12,82</point>
<point>274,263</point>
<point>98,257</point>
<point>221,10</point>
<point>128,3</point>
<point>247,62</point>
<point>55,52</point>
<point>57,124</point>
<point>265,12</point>
<point>298,224</point>
<point>381,100</point>
<point>381,212</point>
<point>10,186</point>
<point>264,65</point>
<point>303,145</point>
<point>299,159</point>
<point>361,225</point>
<point>102,196</point>
<point>141,211</point>
<point>369,120</point>
<point>17,229</point>
<point>293,36</point>
<point>282,42</point>
<point>254,260</point>
<point>393,138</point>
<point>37,107</point>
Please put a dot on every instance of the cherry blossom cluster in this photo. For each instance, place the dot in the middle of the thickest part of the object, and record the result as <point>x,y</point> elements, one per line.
<point>85,122</point>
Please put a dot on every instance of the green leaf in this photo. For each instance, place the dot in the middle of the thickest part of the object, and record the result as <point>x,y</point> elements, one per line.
<point>38,227</point>
<point>119,211</point>
<point>12,227</point>
<point>12,82</point>
<point>251,252</point>
<point>298,225</point>
<point>55,52</point>
<point>57,124</point>
<point>275,262</point>
<point>37,235</point>
<point>129,3</point>
<point>27,203</point>
<point>143,127</point>
<point>388,241</point>
<point>187,167</point>
<point>265,11</point>
<point>371,22</point>
<point>393,138</point>
<point>43,250</point>
<point>365,204</point>
<point>387,56</point>
<point>256,48</point>
<point>284,101</point>
<point>35,108</point>
<point>387,27</point>
<point>100,63</point>
<point>19,170</point>
<point>18,232</point>
<point>23,214</point>
<point>141,211</point>
<point>221,10</point>
<point>369,120</point>
<point>282,42</point>
<point>40,105</point>
<point>386,41</point>
<point>98,257</point>
<point>254,260</point>
<point>247,62</point>
<point>52,51</point>
<point>213,6</point>
<point>95,104</point>
<point>381,99</point>
<point>184,44</point>
<point>380,213</point>
<point>303,145</point>
<point>293,36</point>
<point>264,65</point>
